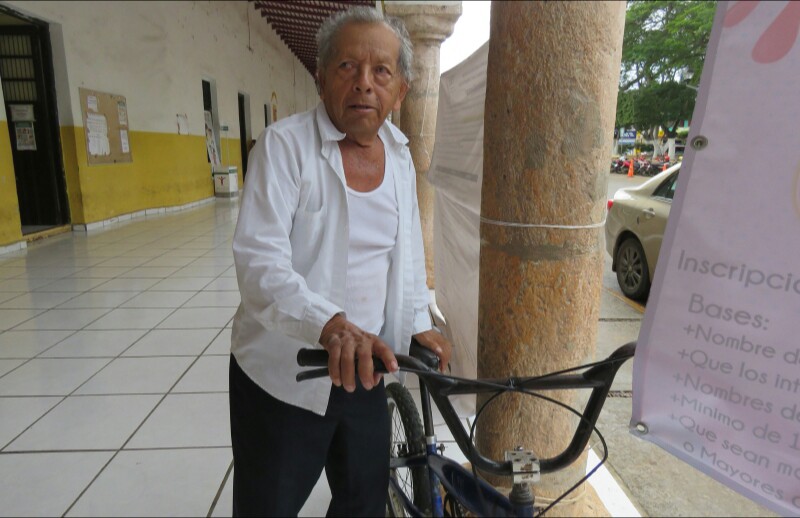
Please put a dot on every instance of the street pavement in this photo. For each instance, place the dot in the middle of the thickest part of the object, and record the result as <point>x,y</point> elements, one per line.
<point>657,483</point>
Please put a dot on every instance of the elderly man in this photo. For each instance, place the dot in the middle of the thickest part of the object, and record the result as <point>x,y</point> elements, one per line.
<point>328,252</point>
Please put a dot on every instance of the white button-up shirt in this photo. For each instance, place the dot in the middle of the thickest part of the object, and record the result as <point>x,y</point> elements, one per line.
<point>290,250</point>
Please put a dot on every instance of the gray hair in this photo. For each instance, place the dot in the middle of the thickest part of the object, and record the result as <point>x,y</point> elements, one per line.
<point>330,28</point>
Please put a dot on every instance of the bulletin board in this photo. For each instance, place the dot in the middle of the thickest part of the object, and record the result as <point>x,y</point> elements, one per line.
<point>105,122</point>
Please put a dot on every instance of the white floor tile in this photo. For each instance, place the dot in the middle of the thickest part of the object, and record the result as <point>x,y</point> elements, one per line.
<point>97,299</point>
<point>182,284</point>
<point>159,299</point>
<point>215,299</point>
<point>193,318</point>
<point>136,376</point>
<point>126,285</point>
<point>131,262</point>
<point>150,272</point>
<point>9,365</point>
<point>200,271</point>
<point>8,295</point>
<point>49,377</point>
<point>101,272</point>
<point>223,284</point>
<point>91,343</point>
<point>63,319</point>
<point>224,506</point>
<point>18,414</point>
<point>87,423</point>
<point>72,284</point>
<point>27,344</point>
<point>131,318</point>
<point>8,272</point>
<point>167,342</point>
<point>169,261</point>
<point>13,317</point>
<point>22,285</point>
<point>209,373</point>
<point>221,344</point>
<point>319,499</point>
<point>156,483</point>
<point>185,252</point>
<point>186,420</point>
<point>37,300</point>
<point>50,272</point>
<point>46,484</point>
<point>227,262</point>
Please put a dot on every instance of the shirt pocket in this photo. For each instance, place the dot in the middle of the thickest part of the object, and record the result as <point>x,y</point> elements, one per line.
<point>308,232</point>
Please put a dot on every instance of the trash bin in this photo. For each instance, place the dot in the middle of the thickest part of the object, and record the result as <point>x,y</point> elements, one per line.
<point>226,184</point>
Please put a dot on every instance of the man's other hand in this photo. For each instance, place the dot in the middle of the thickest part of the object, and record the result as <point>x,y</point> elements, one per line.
<point>436,342</point>
<point>346,343</point>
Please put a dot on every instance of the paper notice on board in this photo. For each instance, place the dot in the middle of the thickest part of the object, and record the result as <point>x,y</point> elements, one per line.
<point>183,123</point>
<point>26,139</point>
<point>21,112</point>
<point>717,369</point>
<point>122,110</point>
<point>91,102</point>
<point>97,132</point>
<point>123,138</point>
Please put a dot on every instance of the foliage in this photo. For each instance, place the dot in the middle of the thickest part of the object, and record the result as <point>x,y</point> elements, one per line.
<point>663,50</point>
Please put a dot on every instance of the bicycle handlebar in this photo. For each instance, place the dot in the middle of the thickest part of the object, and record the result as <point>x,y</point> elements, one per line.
<point>597,378</point>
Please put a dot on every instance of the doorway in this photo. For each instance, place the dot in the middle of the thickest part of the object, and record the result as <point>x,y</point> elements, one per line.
<point>26,73</point>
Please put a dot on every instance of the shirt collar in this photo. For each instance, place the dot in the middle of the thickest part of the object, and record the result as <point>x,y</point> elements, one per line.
<point>328,132</point>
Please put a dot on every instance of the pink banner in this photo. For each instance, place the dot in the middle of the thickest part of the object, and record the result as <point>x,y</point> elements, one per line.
<point>717,369</point>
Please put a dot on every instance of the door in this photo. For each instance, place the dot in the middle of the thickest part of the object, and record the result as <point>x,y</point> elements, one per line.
<point>244,133</point>
<point>652,219</point>
<point>26,72</point>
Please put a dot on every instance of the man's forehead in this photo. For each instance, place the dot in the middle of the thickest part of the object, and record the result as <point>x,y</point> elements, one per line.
<point>355,34</point>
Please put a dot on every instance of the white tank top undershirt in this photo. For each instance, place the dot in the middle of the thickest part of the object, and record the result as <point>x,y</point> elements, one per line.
<point>373,232</point>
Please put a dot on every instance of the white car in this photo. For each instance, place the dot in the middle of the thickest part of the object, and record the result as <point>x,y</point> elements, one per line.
<point>635,226</point>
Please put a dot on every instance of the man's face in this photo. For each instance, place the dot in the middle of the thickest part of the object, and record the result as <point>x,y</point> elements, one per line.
<point>362,83</point>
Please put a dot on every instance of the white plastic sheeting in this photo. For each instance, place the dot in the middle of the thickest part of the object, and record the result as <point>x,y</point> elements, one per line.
<point>456,171</point>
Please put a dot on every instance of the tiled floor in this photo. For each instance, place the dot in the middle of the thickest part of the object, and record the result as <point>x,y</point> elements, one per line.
<point>114,371</point>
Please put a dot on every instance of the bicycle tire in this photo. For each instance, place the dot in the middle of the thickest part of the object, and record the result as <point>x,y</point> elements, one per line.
<point>407,438</point>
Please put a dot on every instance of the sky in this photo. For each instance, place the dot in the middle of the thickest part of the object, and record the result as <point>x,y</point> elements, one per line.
<point>471,31</point>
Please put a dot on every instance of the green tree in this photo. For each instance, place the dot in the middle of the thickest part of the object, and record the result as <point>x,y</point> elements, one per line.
<point>662,59</point>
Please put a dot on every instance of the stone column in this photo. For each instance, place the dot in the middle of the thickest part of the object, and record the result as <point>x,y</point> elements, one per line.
<point>549,122</point>
<point>428,24</point>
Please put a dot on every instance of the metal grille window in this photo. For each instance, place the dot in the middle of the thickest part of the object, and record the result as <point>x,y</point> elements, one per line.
<point>17,69</point>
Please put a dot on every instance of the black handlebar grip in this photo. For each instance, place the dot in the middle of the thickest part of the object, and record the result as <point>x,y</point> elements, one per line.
<point>312,358</point>
<point>319,358</point>
<point>312,374</point>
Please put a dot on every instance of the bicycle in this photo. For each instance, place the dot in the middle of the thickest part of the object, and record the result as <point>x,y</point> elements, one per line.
<point>417,466</point>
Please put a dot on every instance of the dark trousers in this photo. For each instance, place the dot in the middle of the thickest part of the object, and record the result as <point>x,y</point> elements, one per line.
<point>279,451</point>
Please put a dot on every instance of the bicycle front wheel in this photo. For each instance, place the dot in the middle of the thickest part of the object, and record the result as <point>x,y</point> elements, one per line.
<point>407,439</point>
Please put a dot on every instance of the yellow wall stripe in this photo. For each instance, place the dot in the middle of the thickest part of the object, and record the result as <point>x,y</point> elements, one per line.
<point>10,225</point>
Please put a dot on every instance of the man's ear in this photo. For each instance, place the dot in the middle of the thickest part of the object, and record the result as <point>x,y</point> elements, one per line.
<point>318,83</point>
<point>402,95</point>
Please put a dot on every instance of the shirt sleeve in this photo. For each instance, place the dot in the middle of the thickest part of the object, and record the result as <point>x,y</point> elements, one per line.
<point>273,293</point>
<point>422,296</point>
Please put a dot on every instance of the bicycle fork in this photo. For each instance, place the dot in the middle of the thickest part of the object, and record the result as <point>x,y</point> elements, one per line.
<point>437,508</point>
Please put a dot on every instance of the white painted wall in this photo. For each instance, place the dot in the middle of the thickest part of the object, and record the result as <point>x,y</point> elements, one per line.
<point>157,53</point>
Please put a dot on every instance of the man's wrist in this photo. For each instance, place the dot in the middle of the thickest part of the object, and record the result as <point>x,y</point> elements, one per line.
<point>329,326</point>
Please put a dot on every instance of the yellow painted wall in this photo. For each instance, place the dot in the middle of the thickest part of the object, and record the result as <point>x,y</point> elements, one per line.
<point>167,170</point>
<point>10,225</point>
